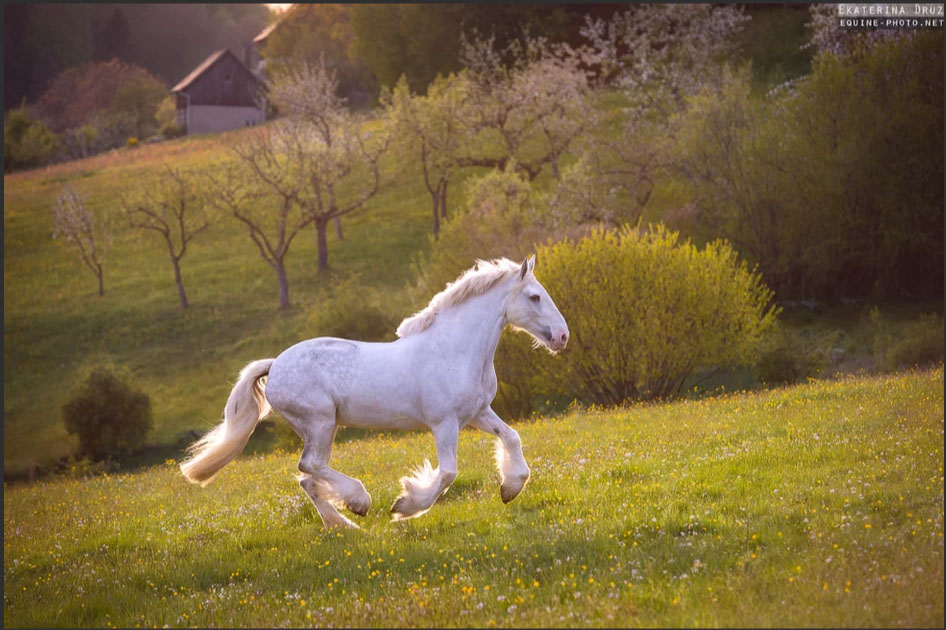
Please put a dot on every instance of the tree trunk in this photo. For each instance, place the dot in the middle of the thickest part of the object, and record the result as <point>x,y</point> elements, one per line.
<point>436,199</point>
<point>180,283</point>
<point>321,226</point>
<point>443,200</point>
<point>283,285</point>
<point>338,229</point>
<point>98,273</point>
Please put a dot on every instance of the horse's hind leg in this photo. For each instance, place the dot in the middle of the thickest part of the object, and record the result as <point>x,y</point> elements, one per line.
<point>422,490</point>
<point>323,484</point>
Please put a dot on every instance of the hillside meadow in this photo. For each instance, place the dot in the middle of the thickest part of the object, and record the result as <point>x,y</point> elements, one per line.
<point>184,359</point>
<point>819,505</point>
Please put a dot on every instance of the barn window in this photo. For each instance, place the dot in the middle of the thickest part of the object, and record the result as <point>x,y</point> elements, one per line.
<point>226,77</point>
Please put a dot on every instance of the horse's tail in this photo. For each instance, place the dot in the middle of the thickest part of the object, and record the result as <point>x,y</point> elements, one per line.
<point>245,407</point>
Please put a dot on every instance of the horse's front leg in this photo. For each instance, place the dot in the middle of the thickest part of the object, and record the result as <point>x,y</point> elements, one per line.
<point>421,491</point>
<point>512,465</point>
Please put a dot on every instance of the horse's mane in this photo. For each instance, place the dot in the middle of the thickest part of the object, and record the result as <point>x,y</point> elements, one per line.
<point>477,280</point>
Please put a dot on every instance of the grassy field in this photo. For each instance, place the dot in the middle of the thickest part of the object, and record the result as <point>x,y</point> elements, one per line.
<point>819,505</point>
<point>185,360</point>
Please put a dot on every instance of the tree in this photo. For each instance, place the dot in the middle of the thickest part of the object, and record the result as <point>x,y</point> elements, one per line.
<point>112,39</point>
<point>261,190</point>
<point>75,223</point>
<point>26,141</point>
<point>529,109</point>
<point>439,127</point>
<point>119,98</point>
<point>826,182</point>
<point>420,41</point>
<point>313,33</point>
<point>659,56</point>
<point>660,53</point>
<point>172,206</point>
<point>336,156</point>
<point>492,114</point>
<point>139,98</point>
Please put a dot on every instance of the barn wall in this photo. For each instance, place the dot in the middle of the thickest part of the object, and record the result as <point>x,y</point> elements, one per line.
<point>226,82</point>
<point>216,118</point>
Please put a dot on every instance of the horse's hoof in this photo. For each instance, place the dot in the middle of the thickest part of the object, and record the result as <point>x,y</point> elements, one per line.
<point>508,492</point>
<point>399,509</point>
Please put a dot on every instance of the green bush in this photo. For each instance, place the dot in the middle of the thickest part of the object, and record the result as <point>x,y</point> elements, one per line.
<point>502,216</point>
<point>785,356</point>
<point>919,344</point>
<point>166,117</point>
<point>26,141</point>
<point>645,312</point>
<point>110,417</point>
<point>351,310</point>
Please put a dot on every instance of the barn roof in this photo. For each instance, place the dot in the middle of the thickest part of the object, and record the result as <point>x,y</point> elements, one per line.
<point>204,66</point>
<point>265,33</point>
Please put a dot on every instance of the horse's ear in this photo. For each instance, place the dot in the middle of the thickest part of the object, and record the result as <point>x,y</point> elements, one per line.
<point>532,262</point>
<point>524,269</point>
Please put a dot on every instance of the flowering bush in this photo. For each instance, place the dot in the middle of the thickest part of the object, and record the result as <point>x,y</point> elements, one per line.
<point>645,312</point>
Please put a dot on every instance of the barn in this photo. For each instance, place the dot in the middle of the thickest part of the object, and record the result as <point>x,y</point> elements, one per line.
<point>220,94</point>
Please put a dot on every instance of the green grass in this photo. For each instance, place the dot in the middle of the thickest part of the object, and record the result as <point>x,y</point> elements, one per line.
<point>184,359</point>
<point>819,505</point>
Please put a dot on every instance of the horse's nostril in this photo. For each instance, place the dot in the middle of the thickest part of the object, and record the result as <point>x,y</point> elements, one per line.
<point>564,337</point>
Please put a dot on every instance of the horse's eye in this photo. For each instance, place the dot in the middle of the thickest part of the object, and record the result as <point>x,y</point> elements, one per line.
<point>534,298</point>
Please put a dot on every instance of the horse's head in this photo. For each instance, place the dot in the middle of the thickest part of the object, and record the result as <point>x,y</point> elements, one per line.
<point>531,309</point>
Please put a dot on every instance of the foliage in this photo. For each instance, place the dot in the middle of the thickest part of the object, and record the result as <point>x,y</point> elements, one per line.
<point>421,41</point>
<point>167,40</point>
<point>166,118</point>
<point>27,142</point>
<point>645,312</point>
<point>755,498</point>
<point>85,139</point>
<point>501,219</point>
<point>438,126</point>
<point>820,183</point>
<point>140,97</point>
<point>826,35</point>
<point>109,416</point>
<point>660,53</point>
<point>353,310</point>
<point>77,94</point>
<point>529,101</point>
<point>525,104</point>
<point>321,33</point>
<point>786,356</point>
<point>917,344</point>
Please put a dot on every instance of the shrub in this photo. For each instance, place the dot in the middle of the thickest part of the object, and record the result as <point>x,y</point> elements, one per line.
<point>786,357</point>
<point>645,312</point>
<point>132,142</point>
<point>109,416</point>
<point>503,217</point>
<point>353,311</point>
<point>26,141</point>
<point>920,343</point>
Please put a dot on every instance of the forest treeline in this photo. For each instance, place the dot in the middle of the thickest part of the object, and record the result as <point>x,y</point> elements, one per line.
<point>167,40</point>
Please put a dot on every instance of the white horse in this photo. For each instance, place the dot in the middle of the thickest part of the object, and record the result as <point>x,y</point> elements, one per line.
<point>438,375</point>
